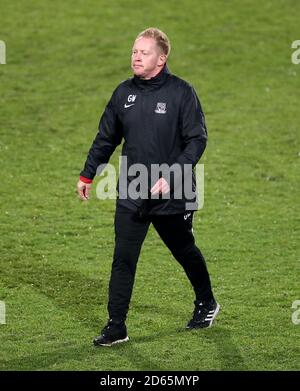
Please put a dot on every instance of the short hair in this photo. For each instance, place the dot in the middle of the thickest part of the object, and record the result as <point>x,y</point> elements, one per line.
<point>160,37</point>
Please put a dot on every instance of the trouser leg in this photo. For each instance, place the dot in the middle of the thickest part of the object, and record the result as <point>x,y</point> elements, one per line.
<point>129,237</point>
<point>176,232</point>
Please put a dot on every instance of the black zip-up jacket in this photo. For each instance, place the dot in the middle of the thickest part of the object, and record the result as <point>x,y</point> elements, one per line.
<point>161,121</point>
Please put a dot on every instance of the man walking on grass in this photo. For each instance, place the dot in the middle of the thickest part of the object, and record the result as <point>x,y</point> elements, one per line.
<point>160,118</point>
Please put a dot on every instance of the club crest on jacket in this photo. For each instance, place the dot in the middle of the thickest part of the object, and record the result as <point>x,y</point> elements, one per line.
<point>161,108</point>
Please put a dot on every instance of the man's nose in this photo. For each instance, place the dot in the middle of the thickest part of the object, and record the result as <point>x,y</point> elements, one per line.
<point>137,56</point>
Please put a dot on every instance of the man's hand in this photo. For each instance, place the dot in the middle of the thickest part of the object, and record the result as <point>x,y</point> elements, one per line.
<point>83,190</point>
<point>161,186</point>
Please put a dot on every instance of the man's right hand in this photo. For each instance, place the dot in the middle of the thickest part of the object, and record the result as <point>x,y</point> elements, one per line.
<point>83,190</point>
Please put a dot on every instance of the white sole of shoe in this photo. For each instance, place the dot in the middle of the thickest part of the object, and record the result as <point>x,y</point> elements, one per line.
<point>115,342</point>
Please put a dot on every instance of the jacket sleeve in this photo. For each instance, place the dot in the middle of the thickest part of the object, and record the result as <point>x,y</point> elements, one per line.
<point>109,136</point>
<point>193,129</point>
<point>193,134</point>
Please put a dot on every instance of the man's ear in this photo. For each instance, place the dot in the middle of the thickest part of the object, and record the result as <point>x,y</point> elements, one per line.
<point>162,60</point>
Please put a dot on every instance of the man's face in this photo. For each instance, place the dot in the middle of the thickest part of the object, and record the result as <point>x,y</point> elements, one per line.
<point>146,58</point>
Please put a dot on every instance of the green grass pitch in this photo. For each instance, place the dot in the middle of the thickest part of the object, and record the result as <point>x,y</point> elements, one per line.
<point>63,61</point>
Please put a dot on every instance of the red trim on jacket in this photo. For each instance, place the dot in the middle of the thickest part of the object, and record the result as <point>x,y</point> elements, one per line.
<point>85,180</point>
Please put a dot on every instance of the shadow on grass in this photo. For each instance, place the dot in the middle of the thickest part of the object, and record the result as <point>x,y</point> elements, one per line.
<point>133,360</point>
<point>229,357</point>
<point>76,294</point>
<point>69,290</point>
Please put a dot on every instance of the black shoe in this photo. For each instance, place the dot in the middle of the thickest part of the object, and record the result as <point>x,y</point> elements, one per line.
<point>204,314</point>
<point>111,334</point>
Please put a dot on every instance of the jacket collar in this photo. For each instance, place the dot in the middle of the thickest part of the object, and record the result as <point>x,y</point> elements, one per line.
<point>154,82</point>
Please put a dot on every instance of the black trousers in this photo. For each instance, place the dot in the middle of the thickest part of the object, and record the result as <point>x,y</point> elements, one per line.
<point>176,233</point>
